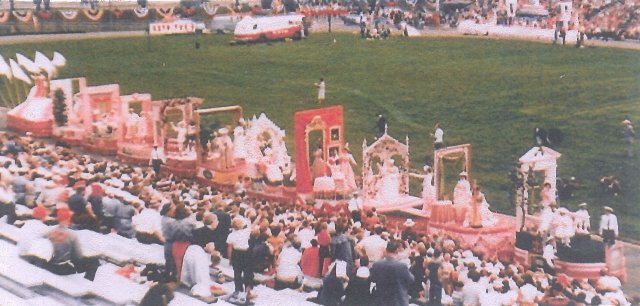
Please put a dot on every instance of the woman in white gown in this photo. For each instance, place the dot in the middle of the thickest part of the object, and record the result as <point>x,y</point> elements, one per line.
<point>428,190</point>
<point>462,192</point>
<point>389,182</point>
<point>239,149</point>
<point>345,161</point>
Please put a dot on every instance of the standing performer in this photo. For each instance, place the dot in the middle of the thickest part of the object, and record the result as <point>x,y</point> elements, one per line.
<point>157,159</point>
<point>609,226</point>
<point>428,190</point>
<point>321,89</point>
<point>438,135</point>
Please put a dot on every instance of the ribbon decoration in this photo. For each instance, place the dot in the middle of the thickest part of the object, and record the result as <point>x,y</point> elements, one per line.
<point>24,16</point>
<point>69,15</point>
<point>141,12</point>
<point>45,15</point>
<point>94,15</point>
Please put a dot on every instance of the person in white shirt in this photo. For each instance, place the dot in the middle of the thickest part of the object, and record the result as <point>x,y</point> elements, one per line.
<point>372,246</point>
<point>355,207</point>
<point>305,234</point>
<point>439,136</point>
<point>148,224</point>
<point>195,270</point>
<point>608,226</point>
<point>240,257</point>
<point>321,90</point>
<point>288,268</point>
<point>157,159</point>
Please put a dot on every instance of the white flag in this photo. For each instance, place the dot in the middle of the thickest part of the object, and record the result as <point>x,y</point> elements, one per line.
<point>44,63</point>
<point>4,68</point>
<point>58,60</point>
<point>18,73</point>
<point>27,63</point>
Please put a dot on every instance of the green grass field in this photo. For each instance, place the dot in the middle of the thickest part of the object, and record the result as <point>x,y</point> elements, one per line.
<point>486,92</point>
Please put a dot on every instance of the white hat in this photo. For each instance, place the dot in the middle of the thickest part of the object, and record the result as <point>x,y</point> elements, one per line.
<point>425,168</point>
<point>626,121</point>
<point>583,204</point>
<point>463,173</point>
<point>609,209</point>
<point>409,223</point>
<point>223,131</point>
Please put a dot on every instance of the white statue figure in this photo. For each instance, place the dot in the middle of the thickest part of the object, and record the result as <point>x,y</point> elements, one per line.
<point>462,192</point>
<point>142,125</point>
<point>239,149</point>
<point>345,161</point>
<point>225,146</point>
<point>273,171</point>
<point>389,182</point>
<point>132,125</point>
<point>213,152</point>
<point>181,129</point>
<point>428,190</point>
<point>191,134</point>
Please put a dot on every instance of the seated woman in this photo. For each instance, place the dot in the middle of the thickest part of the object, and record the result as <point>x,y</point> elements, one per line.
<point>288,272</point>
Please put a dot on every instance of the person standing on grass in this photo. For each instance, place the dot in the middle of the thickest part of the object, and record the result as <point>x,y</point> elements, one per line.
<point>321,89</point>
<point>438,143</point>
<point>608,226</point>
<point>628,134</point>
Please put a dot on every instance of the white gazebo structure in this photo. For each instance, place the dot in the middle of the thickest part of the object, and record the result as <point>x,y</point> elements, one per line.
<point>541,159</point>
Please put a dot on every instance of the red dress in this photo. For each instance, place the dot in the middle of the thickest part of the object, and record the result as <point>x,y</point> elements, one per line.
<point>310,262</point>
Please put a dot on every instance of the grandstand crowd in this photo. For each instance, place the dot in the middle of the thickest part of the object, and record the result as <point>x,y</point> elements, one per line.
<point>301,247</point>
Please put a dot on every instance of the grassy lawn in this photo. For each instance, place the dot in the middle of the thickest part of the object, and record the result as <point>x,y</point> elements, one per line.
<point>486,92</point>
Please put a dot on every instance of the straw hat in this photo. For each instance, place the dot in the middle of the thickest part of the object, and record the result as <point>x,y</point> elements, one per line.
<point>607,208</point>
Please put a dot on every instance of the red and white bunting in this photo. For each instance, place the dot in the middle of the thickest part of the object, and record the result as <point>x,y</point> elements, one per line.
<point>69,15</point>
<point>4,16</point>
<point>141,12</point>
<point>209,9</point>
<point>23,16</point>
<point>165,12</point>
<point>94,15</point>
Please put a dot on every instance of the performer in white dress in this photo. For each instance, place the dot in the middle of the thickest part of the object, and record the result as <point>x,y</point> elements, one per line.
<point>462,192</point>
<point>389,181</point>
<point>428,190</point>
<point>142,125</point>
<point>565,228</point>
<point>239,149</point>
<point>132,125</point>
<point>583,220</point>
<point>181,129</point>
<point>548,195</point>
<point>226,148</point>
<point>345,161</point>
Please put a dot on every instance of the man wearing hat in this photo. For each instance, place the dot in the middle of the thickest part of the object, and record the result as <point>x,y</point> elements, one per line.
<point>628,134</point>
<point>608,226</point>
<point>67,253</point>
<point>409,234</point>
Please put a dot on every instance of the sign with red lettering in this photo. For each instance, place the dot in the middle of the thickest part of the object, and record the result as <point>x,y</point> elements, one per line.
<point>173,27</point>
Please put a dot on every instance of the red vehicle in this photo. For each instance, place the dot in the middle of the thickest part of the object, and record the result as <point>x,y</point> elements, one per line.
<point>252,29</point>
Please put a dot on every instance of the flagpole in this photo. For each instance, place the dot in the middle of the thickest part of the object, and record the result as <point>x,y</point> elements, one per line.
<point>6,85</point>
<point>15,86</point>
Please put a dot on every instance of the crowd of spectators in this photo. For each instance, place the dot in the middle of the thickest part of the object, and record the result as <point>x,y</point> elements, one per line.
<point>357,256</point>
